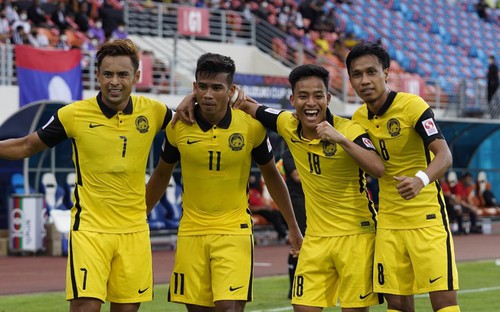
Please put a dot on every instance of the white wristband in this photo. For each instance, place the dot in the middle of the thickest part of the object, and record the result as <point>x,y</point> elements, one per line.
<point>423,176</point>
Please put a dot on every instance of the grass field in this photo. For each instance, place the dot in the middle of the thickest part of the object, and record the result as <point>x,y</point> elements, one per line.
<point>479,284</point>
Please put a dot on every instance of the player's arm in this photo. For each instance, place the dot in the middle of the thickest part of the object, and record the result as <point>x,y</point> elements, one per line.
<point>158,183</point>
<point>431,135</point>
<point>362,151</point>
<point>279,193</point>
<point>19,148</point>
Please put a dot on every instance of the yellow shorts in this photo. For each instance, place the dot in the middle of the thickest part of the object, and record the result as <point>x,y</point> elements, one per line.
<point>113,267</point>
<point>414,261</point>
<point>211,268</point>
<point>332,269</point>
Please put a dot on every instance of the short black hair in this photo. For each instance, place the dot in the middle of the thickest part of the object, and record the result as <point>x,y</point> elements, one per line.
<point>211,64</point>
<point>368,48</point>
<point>308,70</point>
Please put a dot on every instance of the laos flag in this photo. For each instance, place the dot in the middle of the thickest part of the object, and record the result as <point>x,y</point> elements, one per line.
<point>44,74</point>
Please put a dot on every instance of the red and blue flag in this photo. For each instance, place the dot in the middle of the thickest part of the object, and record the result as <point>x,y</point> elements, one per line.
<point>44,74</point>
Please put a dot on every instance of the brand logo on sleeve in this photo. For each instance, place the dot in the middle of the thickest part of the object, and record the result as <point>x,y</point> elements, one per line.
<point>430,126</point>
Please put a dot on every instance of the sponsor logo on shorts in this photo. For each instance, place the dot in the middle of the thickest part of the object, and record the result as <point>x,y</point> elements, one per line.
<point>432,280</point>
<point>141,291</point>
<point>231,288</point>
<point>363,297</point>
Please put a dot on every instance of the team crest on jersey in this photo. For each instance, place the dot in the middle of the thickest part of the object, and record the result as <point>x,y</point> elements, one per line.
<point>236,141</point>
<point>142,124</point>
<point>394,127</point>
<point>329,149</point>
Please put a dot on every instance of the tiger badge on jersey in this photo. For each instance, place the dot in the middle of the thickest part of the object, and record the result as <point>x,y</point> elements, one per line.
<point>142,124</point>
<point>394,127</point>
<point>430,126</point>
<point>236,141</point>
<point>329,149</point>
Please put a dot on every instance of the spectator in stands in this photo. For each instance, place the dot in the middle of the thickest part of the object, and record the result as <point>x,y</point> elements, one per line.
<point>19,36</point>
<point>311,11</point>
<point>258,206</point>
<point>294,185</point>
<point>210,228</point>
<point>11,11</point>
<point>485,194</point>
<point>465,196</point>
<point>22,21</point>
<point>327,21</point>
<point>36,14</point>
<point>62,43</point>
<point>96,31</point>
<point>493,82</point>
<point>5,33</point>
<point>59,15</point>
<point>41,40</point>
<point>481,7</point>
<point>410,212</point>
<point>120,32</point>
<point>109,233</point>
<point>82,17</point>
<point>322,45</point>
<point>453,208</point>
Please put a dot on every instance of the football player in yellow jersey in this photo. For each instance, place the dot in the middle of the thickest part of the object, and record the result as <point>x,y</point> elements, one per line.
<point>213,268</point>
<point>109,253</point>
<point>414,246</point>
<point>331,155</point>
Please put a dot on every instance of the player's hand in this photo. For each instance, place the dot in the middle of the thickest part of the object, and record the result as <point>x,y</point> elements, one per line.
<point>295,238</point>
<point>185,110</point>
<point>327,132</point>
<point>409,187</point>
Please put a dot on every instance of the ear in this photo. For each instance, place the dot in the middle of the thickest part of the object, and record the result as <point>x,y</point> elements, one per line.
<point>137,76</point>
<point>386,74</point>
<point>291,100</point>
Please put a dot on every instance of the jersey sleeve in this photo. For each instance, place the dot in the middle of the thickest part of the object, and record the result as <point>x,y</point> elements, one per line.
<point>268,117</point>
<point>364,141</point>
<point>427,127</point>
<point>167,118</point>
<point>170,153</point>
<point>262,152</point>
<point>53,132</point>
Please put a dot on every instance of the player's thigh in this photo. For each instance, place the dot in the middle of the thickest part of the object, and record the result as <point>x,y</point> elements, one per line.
<point>89,263</point>
<point>131,276</point>
<point>316,278</point>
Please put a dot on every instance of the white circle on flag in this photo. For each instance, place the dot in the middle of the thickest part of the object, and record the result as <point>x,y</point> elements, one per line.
<point>59,90</point>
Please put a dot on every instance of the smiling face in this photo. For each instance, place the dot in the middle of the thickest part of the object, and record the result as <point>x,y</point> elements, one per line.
<point>369,80</point>
<point>212,95</point>
<point>116,76</point>
<point>310,99</point>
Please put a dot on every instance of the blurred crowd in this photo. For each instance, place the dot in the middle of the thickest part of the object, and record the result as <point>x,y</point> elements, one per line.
<point>63,24</point>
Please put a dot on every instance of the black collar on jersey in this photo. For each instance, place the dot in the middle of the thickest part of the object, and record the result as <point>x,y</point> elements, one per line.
<point>329,118</point>
<point>109,112</point>
<point>205,125</point>
<point>385,107</point>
